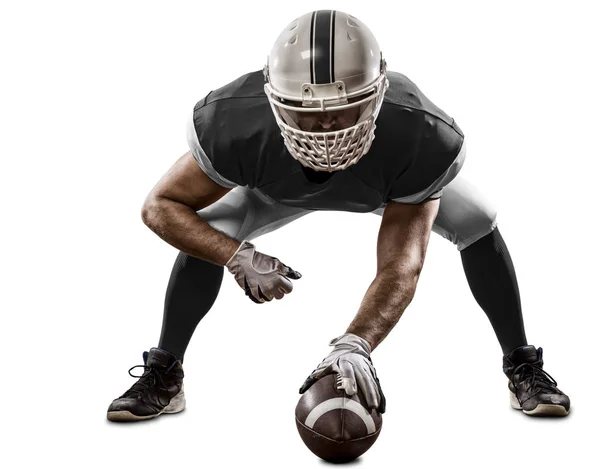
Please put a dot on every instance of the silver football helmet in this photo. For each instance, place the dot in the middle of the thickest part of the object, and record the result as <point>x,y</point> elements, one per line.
<point>324,62</point>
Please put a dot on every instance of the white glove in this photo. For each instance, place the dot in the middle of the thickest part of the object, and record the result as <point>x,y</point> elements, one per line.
<point>351,360</point>
<point>261,276</point>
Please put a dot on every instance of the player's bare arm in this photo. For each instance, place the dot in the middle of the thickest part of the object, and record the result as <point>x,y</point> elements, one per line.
<point>401,247</point>
<point>170,211</point>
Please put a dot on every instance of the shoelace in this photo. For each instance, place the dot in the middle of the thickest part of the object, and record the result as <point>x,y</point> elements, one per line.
<point>146,380</point>
<point>538,379</point>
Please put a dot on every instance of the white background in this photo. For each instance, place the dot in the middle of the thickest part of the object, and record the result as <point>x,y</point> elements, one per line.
<point>94,101</point>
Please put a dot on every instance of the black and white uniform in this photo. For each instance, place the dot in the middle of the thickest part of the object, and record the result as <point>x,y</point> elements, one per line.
<point>416,155</point>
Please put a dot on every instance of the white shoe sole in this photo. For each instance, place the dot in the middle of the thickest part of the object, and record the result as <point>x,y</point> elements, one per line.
<point>541,409</point>
<point>177,404</point>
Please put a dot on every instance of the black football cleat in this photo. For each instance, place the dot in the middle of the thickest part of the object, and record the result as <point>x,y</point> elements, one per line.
<point>533,390</point>
<point>159,390</point>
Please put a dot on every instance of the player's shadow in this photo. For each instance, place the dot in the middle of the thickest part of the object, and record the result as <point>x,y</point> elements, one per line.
<point>546,418</point>
<point>146,421</point>
<point>356,462</point>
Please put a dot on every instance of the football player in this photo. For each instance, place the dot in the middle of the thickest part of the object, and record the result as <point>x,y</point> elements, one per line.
<point>299,136</point>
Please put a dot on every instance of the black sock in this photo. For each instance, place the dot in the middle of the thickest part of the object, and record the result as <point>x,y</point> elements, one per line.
<point>493,281</point>
<point>192,290</point>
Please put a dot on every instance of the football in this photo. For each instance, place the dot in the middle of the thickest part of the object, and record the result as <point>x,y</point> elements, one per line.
<point>333,425</point>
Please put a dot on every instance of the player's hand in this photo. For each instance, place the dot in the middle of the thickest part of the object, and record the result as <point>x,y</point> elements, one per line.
<point>261,276</point>
<point>351,360</point>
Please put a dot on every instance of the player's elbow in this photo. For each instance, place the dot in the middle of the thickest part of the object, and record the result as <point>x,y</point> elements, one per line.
<point>407,268</point>
<point>408,274</point>
<point>145,214</point>
<point>402,277</point>
<point>150,210</point>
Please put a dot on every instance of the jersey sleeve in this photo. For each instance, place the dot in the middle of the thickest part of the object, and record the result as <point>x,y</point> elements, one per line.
<point>435,190</point>
<point>202,158</point>
<point>451,143</point>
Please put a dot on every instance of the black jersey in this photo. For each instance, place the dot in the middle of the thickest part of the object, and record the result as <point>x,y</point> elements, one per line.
<point>236,140</point>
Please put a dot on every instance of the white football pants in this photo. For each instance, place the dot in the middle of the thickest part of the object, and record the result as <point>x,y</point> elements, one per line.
<point>464,215</point>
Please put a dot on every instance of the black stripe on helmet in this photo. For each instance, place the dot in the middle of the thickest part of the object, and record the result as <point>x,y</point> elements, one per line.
<point>332,79</point>
<point>312,47</point>
<point>322,53</point>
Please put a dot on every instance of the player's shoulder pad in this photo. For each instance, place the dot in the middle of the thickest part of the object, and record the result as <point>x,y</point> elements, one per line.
<point>223,123</point>
<point>403,92</point>
<point>437,140</point>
